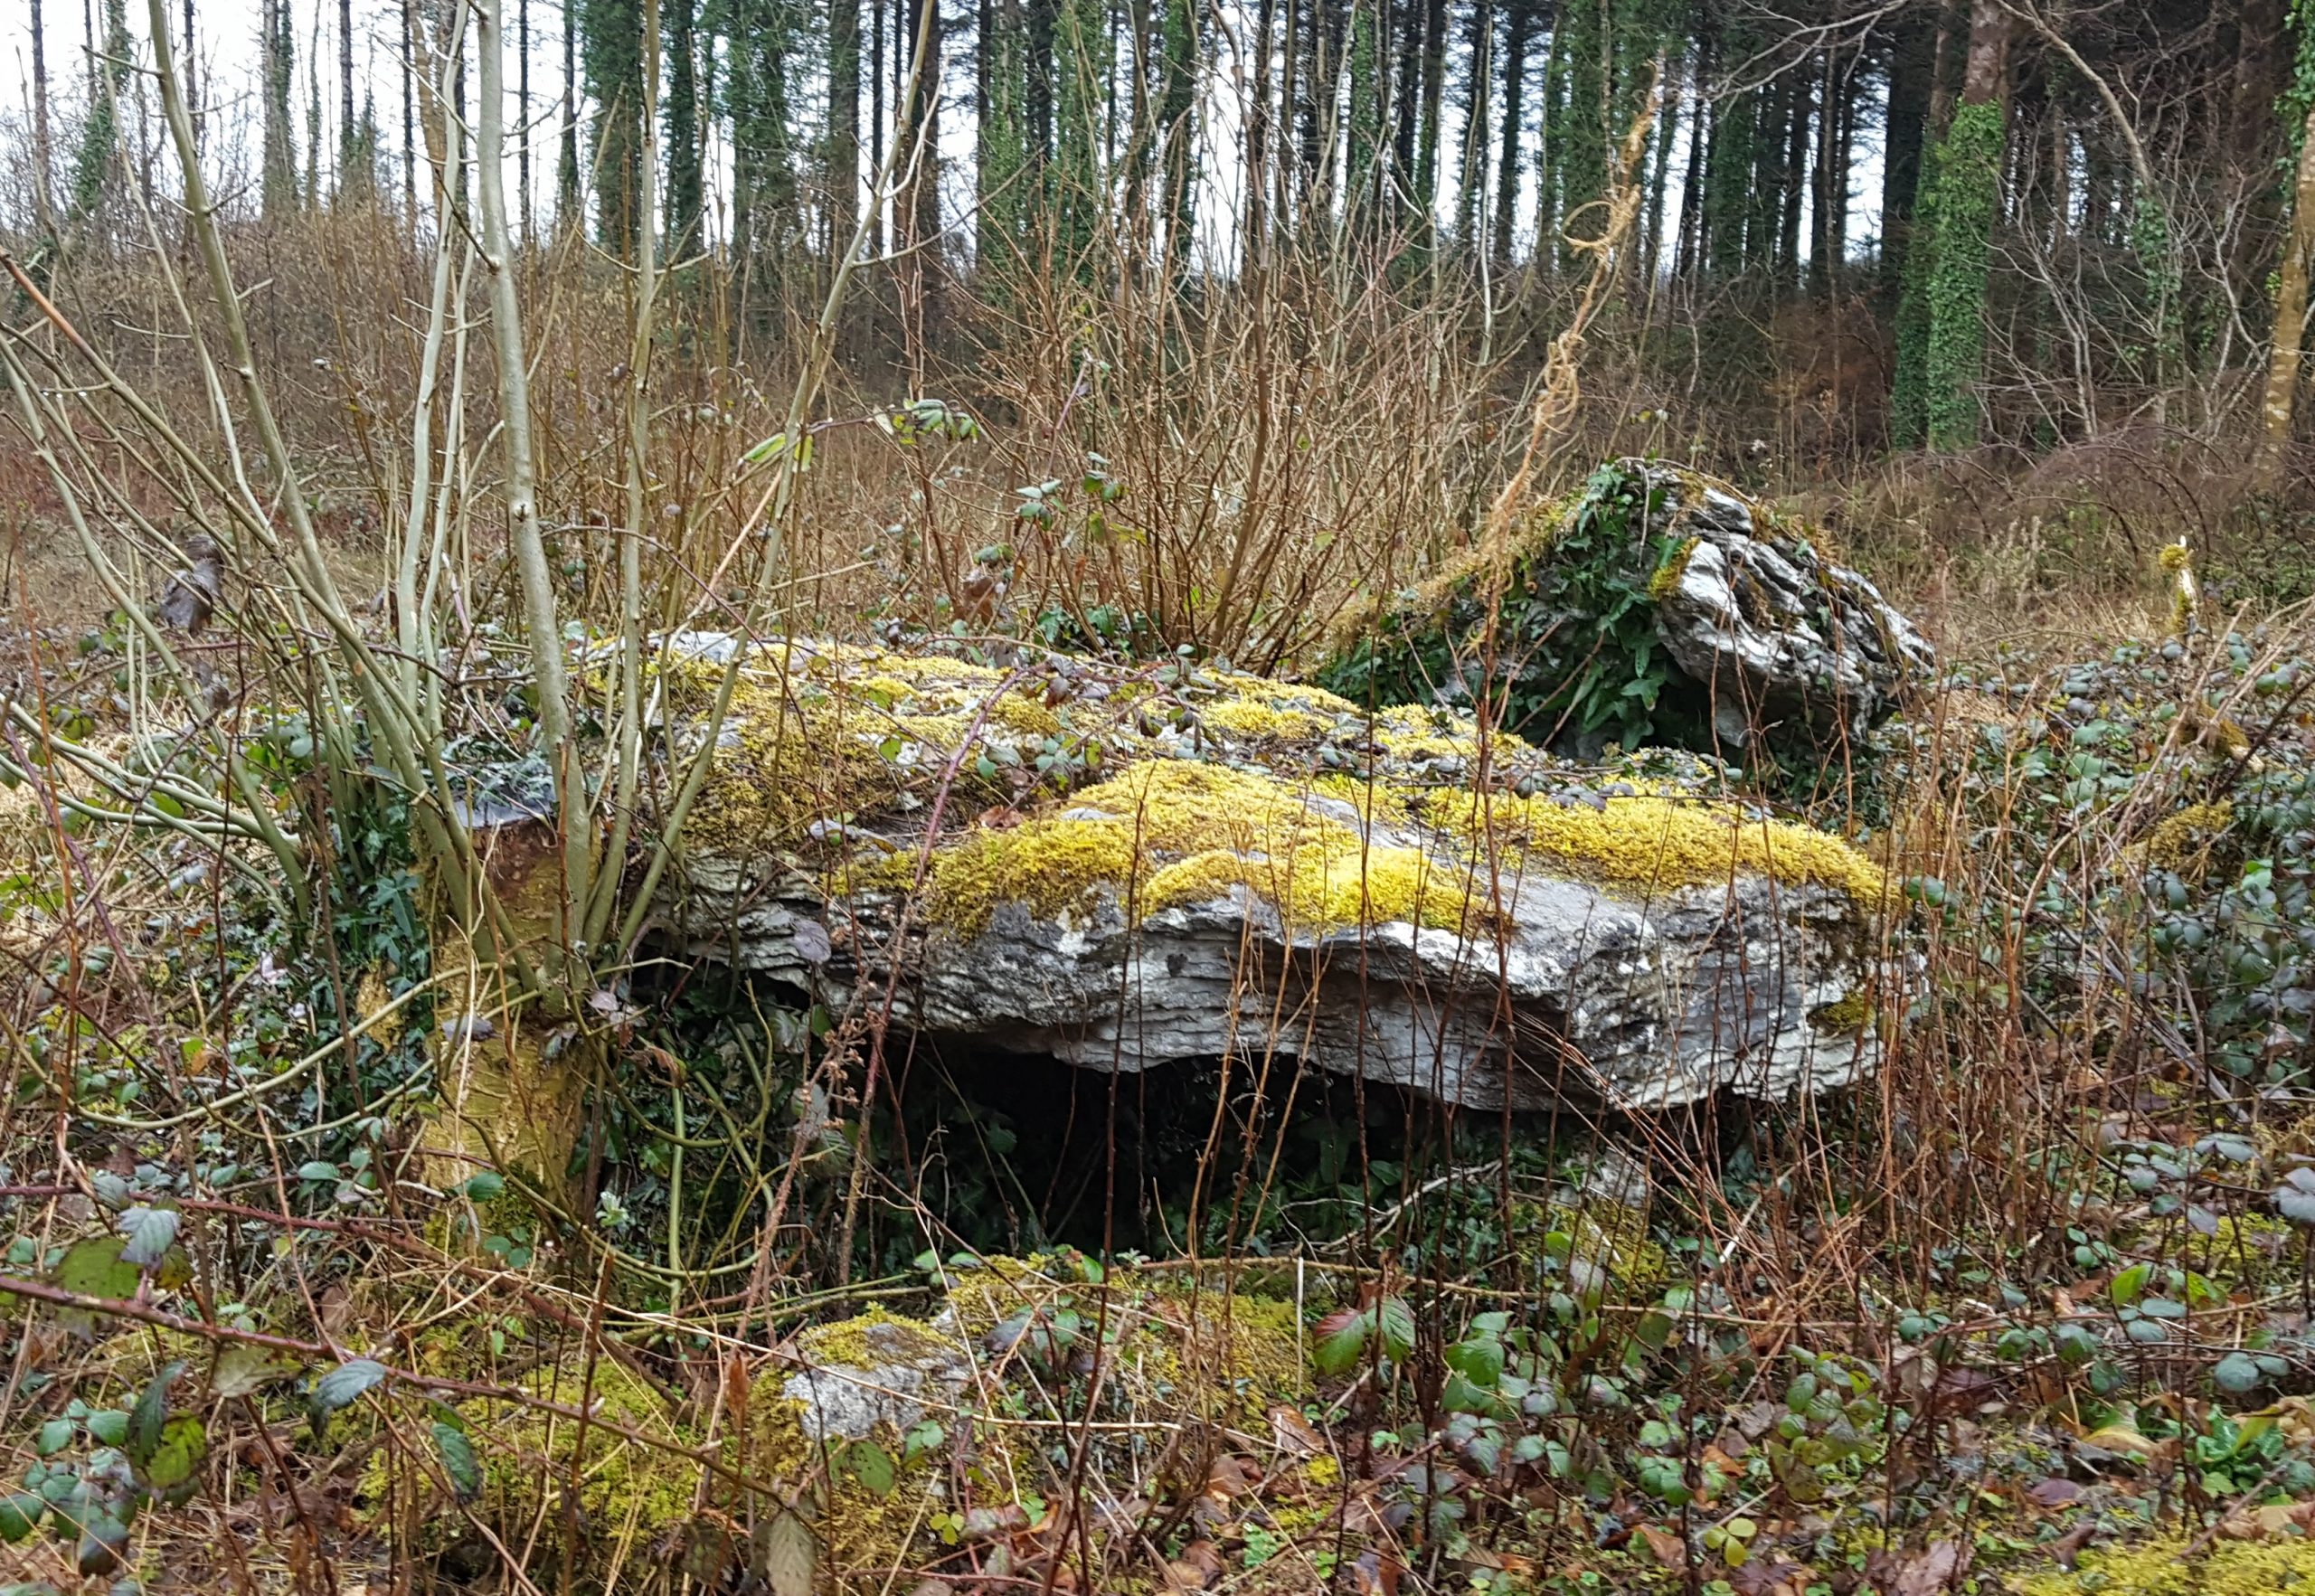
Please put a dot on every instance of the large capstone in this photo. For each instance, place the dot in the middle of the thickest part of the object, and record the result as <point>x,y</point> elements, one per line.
<point>1127,867</point>
<point>1657,605</point>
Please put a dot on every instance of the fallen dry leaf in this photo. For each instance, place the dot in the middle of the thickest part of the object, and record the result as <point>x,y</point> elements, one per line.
<point>1670,1550</point>
<point>1294,1433</point>
<point>2053,1492</point>
<point>1376,1573</point>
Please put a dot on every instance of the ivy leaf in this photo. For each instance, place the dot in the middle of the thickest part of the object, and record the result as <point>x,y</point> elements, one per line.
<point>2237,1371</point>
<point>459,1460</point>
<point>150,1232</point>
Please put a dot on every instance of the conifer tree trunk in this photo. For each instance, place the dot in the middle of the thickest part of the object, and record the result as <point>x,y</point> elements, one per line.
<point>1428,155</point>
<point>566,171</point>
<point>1519,23</point>
<point>277,187</point>
<point>1177,112</point>
<point>1909,69</point>
<point>1686,261</point>
<point>1256,150</point>
<point>841,176</point>
<point>1470,184</point>
<point>352,159</point>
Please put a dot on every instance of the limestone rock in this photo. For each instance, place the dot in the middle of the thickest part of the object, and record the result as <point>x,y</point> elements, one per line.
<point>1138,866</point>
<point>1657,605</point>
<point>876,1374</point>
<point>1780,637</point>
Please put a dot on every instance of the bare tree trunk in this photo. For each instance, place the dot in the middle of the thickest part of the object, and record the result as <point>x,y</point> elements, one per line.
<point>409,113</point>
<point>522,111</point>
<point>2290,312</point>
<point>192,98</point>
<point>42,169</point>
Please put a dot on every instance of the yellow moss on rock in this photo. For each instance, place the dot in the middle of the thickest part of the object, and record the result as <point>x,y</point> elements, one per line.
<point>1666,582</point>
<point>2183,842</point>
<point>2161,1568</point>
<point>1655,842</point>
<point>632,1499</point>
<point>1172,833</point>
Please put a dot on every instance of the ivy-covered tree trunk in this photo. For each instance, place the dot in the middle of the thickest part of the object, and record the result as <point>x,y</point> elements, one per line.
<point>840,162</point>
<point>2290,311</point>
<point>1969,197</point>
<point>611,52</point>
<point>679,20</point>
<point>1909,391</point>
<point>278,182</point>
<point>1367,164</point>
<point>765,223</point>
<point>1082,73</point>
<point>1002,152</point>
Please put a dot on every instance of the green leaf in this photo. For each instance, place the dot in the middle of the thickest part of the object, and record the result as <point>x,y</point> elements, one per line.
<point>2237,1371</point>
<point>871,1466</point>
<point>1460,1395</point>
<point>2129,1286</point>
<point>482,1187</point>
<point>1341,1341</point>
<point>1478,1358</point>
<point>53,1438</point>
<point>149,1233</point>
<point>343,1384</point>
<point>184,1442</point>
<point>20,1515</point>
<point>1397,1322</point>
<point>147,1418</point>
<point>243,1369</point>
<point>790,1555</point>
<point>95,1268</point>
<point>103,1539</point>
<point>458,1462</point>
<point>108,1426</point>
